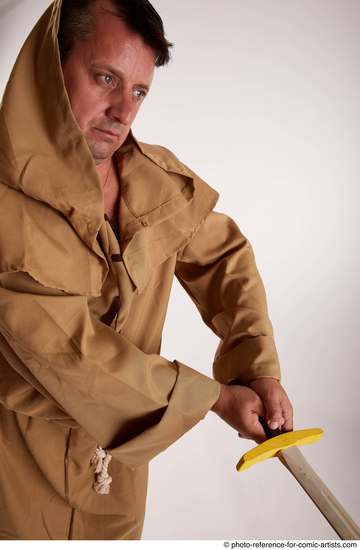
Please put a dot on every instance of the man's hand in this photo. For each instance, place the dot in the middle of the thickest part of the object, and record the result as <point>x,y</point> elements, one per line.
<point>278,409</point>
<point>241,407</point>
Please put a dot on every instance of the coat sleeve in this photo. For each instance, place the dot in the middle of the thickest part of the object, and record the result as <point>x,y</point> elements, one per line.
<point>132,403</point>
<point>217,269</point>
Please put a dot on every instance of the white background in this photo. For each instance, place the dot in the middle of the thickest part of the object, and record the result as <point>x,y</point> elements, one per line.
<point>262,100</point>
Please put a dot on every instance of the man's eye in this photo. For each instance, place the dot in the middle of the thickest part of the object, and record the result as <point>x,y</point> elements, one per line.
<point>106,79</point>
<point>139,94</point>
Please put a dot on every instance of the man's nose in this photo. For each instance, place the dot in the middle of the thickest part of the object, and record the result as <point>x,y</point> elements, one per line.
<point>121,109</point>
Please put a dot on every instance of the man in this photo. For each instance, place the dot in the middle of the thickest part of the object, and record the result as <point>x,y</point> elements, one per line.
<point>93,227</point>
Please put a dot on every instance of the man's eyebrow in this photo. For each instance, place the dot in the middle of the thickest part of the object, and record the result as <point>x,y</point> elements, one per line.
<point>117,73</point>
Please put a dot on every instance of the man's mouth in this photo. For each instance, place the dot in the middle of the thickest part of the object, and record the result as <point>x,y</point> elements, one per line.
<point>108,133</point>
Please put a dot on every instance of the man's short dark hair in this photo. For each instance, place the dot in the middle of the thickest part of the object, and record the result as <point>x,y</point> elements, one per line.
<point>76,23</point>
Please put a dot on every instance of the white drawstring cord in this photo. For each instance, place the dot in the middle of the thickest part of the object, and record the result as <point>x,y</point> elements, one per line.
<point>100,462</point>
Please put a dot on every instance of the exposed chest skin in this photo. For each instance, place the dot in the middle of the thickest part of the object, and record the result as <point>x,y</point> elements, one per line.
<point>111,191</point>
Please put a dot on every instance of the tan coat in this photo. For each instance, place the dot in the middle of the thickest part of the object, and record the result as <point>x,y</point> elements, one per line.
<point>82,312</point>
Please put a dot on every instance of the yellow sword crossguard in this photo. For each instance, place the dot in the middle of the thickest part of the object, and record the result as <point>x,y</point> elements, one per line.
<point>285,447</point>
<point>272,446</point>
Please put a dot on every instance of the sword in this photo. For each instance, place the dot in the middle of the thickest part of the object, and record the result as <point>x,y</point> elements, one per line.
<point>285,447</point>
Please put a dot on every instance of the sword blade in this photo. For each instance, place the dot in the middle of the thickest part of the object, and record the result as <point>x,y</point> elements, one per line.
<point>319,493</point>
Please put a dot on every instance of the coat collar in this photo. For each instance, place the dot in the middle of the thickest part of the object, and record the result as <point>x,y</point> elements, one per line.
<point>154,186</point>
<point>162,204</point>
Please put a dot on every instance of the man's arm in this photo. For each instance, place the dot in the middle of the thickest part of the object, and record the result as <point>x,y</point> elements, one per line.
<point>218,270</point>
<point>133,403</point>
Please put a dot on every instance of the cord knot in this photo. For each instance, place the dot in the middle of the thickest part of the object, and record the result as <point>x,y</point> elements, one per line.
<point>100,462</point>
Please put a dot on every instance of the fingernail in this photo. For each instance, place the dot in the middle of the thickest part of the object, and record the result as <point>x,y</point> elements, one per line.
<point>274,425</point>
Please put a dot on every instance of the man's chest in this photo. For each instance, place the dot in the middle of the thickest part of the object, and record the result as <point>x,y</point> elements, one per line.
<point>111,193</point>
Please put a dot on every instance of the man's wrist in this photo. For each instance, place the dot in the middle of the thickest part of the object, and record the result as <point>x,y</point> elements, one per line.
<point>220,404</point>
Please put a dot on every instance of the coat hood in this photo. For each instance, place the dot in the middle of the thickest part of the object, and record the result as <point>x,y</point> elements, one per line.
<point>44,155</point>
<point>43,152</point>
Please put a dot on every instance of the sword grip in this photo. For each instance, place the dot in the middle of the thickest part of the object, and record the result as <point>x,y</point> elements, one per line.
<point>268,431</point>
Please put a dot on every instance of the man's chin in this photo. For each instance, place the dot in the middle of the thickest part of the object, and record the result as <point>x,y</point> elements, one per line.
<point>101,151</point>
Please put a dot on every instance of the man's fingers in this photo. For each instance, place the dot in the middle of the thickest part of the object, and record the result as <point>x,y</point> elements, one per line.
<point>252,429</point>
<point>257,431</point>
<point>279,411</point>
<point>288,425</point>
<point>260,409</point>
<point>274,413</point>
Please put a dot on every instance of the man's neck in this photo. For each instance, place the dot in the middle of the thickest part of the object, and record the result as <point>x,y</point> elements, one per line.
<point>110,183</point>
<point>104,170</point>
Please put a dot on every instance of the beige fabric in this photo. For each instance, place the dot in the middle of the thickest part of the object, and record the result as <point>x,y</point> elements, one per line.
<point>82,312</point>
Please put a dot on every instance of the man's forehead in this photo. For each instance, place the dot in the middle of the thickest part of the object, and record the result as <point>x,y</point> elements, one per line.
<point>106,14</point>
<point>113,43</point>
<point>99,7</point>
<point>115,36</point>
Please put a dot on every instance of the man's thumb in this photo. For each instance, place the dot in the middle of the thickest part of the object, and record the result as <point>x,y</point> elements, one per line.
<point>274,416</point>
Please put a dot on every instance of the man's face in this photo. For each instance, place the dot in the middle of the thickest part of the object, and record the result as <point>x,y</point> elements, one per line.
<point>107,77</point>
